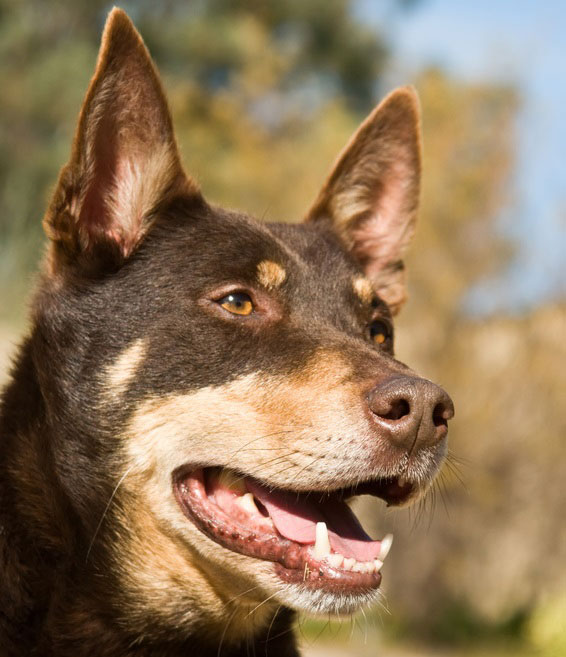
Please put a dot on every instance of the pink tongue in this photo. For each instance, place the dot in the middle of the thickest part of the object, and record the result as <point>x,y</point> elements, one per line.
<point>295,517</point>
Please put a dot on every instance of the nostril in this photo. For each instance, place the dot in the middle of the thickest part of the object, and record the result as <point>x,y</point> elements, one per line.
<point>398,408</point>
<point>439,416</point>
<point>410,411</point>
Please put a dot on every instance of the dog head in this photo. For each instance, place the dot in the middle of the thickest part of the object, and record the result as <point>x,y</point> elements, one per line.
<point>222,386</point>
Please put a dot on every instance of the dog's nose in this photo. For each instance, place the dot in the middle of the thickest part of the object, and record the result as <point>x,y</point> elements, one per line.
<point>411,411</point>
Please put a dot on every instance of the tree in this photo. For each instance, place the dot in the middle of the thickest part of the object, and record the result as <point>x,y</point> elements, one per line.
<point>257,89</point>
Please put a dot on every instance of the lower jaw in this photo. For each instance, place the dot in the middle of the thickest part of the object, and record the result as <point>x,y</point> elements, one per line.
<point>317,575</point>
<point>293,563</point>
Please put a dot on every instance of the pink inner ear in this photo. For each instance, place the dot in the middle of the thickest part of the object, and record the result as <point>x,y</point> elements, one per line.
<point>371,195</point>
<point>94,218</point>
<point>382,237</point>
<point>127,174</point>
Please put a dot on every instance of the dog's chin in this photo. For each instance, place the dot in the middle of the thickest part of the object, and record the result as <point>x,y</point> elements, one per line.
<point>307,549</point>
<point>324,602</point>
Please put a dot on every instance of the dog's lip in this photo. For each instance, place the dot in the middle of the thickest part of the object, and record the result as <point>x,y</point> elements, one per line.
<point>255,535</point>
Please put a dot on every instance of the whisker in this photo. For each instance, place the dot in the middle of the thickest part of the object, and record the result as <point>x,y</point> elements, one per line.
<point>365,626</point>
<point>382,604</point>
<point>352,628</point>
<point>242,593</point>
<point>292,428</point>
<point>225,630</point>
<point>254,440</point>
<point>106,511</point>
<point>317,637</point>
<point>455,469</point>
<point>262,603</point>
<point>287,631</point>
<point>443,489</point>
<point>459,460</point>
<point>270,626</point>
<point>272,461</point>
<point>307,466</point>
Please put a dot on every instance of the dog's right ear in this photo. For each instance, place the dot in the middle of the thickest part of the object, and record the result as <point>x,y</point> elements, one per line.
<point>124,160</point>
<point>371,195</point>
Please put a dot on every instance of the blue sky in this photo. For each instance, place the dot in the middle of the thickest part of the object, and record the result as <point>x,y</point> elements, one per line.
<point>522,42</point>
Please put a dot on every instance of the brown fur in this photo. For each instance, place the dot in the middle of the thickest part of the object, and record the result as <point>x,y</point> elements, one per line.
<point>378,221</point>
<point>125,123</point>
<point>134,370</point>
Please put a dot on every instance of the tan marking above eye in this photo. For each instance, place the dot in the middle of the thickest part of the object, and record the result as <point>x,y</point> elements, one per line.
<point>363,289</point>
<point>237,303</point>
<point>270,274</point>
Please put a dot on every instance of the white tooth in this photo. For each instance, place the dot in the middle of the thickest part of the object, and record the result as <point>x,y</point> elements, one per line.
<point>386,542</point>
<point>348,564</point>
<point>335,560</point>
<point>378,565</point>
<point>322,544</point>
<point>370,566</point>
<point>358,567</point>
<point>247,503</point>
<point>231,481</point>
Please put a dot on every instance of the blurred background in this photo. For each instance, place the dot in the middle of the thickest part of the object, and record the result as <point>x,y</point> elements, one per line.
<point>264,95</point>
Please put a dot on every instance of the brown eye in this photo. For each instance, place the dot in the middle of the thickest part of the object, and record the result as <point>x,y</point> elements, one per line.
<point>380,332</point>
<point>237,303</point>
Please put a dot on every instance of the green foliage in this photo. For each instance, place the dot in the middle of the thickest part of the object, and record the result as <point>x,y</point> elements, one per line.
<point>459,623</point>
<point>256,88</point>
<point>547,627</point>
<point>283,46</point>
<point>468,155</point>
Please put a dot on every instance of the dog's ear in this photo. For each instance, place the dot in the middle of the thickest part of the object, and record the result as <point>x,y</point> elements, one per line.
<point>124,160</point>
<point>371,196</point>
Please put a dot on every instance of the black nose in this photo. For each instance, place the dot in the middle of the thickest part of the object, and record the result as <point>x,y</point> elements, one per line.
<point>411,411</point>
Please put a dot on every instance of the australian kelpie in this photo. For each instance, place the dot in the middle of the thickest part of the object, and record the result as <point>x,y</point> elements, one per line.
<point>201,393</point>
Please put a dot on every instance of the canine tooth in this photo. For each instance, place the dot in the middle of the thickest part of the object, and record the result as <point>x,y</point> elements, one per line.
<point>231,481</point>
<point>359,567</point>
<point>335,560</point>
<point>378,565</point>
<point>247,503</point>
<point>386,542</point>
<point>348,564</point>
<point>370,566</point>
<point>322,544</point>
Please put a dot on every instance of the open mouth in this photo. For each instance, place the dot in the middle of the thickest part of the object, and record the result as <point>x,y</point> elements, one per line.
<point>313,537</point>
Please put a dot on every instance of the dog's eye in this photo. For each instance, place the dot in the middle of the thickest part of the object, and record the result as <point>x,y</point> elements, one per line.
<point>237,303</point>
<point>380,332</point>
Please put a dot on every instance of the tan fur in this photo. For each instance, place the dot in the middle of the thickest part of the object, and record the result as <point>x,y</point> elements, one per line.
<point>270,274</point>
<point>206,427</point>
<point>140,184</point>
<point>179,584</point>
<point>363,289</point>
<point>119,374</point>
<point>281,444</point>
<point>372,193</point>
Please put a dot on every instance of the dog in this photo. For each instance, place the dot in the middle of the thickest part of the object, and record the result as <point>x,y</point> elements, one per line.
<point>201,393</point>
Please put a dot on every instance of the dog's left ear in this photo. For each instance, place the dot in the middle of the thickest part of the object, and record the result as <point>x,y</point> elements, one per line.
<point>371,196</point>
<point>124,160</point>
